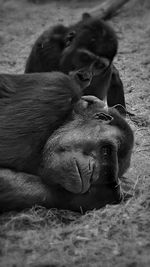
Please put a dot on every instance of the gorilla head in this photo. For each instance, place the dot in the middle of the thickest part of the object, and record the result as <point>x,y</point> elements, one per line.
<point>87,156</point>
<point>90,43</point>
<point>94,41</point>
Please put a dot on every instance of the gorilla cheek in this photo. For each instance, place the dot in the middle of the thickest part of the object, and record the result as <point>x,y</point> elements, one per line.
<point>72,170</point>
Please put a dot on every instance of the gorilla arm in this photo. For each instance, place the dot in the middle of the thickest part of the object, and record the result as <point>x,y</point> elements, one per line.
<point>20,190</point>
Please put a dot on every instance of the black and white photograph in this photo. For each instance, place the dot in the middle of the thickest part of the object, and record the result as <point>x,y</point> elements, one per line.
<point>74,133</point>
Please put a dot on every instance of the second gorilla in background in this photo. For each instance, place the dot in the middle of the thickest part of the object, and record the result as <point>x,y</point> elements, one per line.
<point>89,42</point>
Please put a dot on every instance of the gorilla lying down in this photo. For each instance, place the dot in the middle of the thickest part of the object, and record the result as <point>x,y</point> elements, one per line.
<point>59,149</point>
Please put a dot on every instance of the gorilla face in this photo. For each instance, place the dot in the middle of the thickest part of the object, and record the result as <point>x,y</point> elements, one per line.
<point>86,153</point>
<point>93,42</point>
<point>94,45</point>
<point>90,44</point>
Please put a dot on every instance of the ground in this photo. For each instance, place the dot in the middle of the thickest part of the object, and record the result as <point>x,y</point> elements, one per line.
<point>115,235</point>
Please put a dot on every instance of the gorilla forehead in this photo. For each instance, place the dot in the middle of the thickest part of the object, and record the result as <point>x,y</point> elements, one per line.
<point>84,129</point>
<point>98,37</point>
<point>90,136</point>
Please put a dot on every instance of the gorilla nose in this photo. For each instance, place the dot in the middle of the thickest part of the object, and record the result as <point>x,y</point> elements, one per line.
<point>84,75</point>
<point>106,151</point>
<point>81,76</point>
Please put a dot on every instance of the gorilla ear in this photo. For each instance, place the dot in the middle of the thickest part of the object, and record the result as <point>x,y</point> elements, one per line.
<point>120,108</point>
<point>123,111</point>
<point>70,36</point>
<point>86,16</point>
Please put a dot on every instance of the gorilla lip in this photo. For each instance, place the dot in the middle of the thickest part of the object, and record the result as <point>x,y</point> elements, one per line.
<point>79,173</point>
<point>84,185</point>
<point>83,77</point>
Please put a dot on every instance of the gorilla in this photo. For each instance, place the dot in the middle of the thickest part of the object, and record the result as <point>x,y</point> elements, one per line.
<point>89,42</point>
<point>58,148</point>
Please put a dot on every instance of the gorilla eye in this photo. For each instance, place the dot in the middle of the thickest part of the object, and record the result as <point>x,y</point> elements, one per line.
<point>102,63</point>
<point>99,65</point>
<point>103,117</point>
<point>84,57</point>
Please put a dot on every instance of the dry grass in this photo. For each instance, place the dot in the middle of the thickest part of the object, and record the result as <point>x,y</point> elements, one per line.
<point>115,235</point>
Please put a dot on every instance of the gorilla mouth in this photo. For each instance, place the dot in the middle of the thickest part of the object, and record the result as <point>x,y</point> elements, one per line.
<point>84,78</point>
<point>84,176</point>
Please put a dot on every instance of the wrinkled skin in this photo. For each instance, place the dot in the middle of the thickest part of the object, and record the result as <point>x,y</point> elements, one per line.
<point>56,150</point>
<point>90,42</point>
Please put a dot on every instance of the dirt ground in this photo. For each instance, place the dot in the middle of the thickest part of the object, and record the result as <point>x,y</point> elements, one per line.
<point>115,235</point>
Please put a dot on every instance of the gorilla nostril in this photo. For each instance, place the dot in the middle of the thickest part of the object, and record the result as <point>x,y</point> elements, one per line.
<point>83,76</point>
<point>106,151</point>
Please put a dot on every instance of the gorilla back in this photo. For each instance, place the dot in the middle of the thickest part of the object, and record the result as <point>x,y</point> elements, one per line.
<point>32,106</point>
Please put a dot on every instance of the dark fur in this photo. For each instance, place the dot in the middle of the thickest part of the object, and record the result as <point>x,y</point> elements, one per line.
<point>56,49</point>
<point>36,158</point>
<point>31,108</point>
